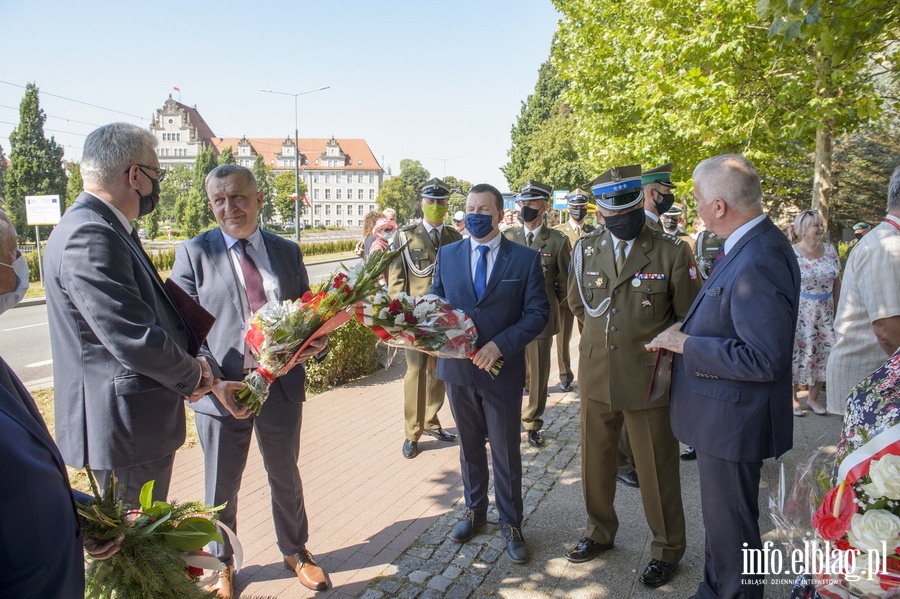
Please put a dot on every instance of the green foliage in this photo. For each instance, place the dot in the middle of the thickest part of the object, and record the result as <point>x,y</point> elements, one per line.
<point>319,248</point>
<point>227,156</point>
<point>400,192</point>
<point>31,259</point>
<point>206,161</point>
<point>192,220</point>
<point>284,187</point>
<point>152,224</point>
<point>413,173</point>
<point>75,185</point>
<point>352,356</point>
<point>174,193</point>
<point>36,166</point>
<point>265,182</point>
<point>3,168</point>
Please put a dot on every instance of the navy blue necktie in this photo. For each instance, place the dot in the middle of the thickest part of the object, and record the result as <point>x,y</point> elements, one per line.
<point>481,271</point>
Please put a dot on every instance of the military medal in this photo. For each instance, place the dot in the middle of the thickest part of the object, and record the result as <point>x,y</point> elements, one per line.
<point>635,282</point>
<point>645,303</point>
<point>589,250</point>
<point>599,282</point>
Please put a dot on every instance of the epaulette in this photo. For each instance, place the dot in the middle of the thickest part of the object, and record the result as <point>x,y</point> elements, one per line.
<point>597,231</point>
<point>409,227</point>
<point>666,236</point>
<point>557,232</point>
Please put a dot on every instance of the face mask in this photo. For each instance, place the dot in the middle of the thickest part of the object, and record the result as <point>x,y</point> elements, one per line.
<point>479,225</point>
<point>434,213</point>
<point>626,226</point>
<point>669,223</point>
<point>388,235</point>
<point>12,298</point>
<point>577,214</point>
<point>148,203</point>
<point>667,200</point>
<point>858,236</point>
<point>529,213</point>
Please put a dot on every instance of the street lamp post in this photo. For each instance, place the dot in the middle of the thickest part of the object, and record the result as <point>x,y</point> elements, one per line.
<point>296,153</point>
<point>444,160</point>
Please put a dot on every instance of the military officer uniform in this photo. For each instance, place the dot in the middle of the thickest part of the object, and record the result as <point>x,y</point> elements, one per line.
<point>622,308</point>
<point>556,252</point>
<point>577,203</point>
<point>706,250</point>
<point>411,272</point>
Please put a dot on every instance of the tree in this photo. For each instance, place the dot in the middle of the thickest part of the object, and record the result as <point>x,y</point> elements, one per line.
<point>36,166</point>
<point>396,194</point>
<point>284,188</point>
<point>205,162</point>
<point>152,223</point>
<point>75,185</point>
<point>3,167</point>
<point>192,219</point>
<point>227,156</point>
<point>412,173</point>
<point>174,192</point>
<point>846,46</point>
<point>264,183</point>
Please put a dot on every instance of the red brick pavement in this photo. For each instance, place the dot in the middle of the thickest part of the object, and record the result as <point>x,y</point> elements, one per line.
<point>366,504</point>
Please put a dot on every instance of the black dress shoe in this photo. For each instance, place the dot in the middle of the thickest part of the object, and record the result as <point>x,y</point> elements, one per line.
<point>466,528</point>
<point>657,573</point>
<point>586,550</point>
<point>565,385</point>
<point>410,449</point>
<point>439,434</point>
<point>689,454</point>
<point>629,479</point>
<point>535,439</point>
<point>516,548</point>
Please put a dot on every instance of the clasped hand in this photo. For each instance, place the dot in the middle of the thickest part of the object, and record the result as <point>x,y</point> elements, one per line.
<point>486,356</point>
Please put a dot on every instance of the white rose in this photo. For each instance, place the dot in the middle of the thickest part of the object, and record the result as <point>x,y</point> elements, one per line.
<point>869,530</point>
<point>885,474</point>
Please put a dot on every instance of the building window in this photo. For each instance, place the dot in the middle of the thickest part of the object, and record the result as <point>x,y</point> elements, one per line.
<point>371,177</point>
<point>371,207</point>
<point>337,193</point>
<point>328,177</point>
<point>327,209</point>
<point>372,194</point>
<point>315,177</point>
<point>337,209</point>
<point>359,177</point>
<point>316,194</point>
<point>349,210</point>
<point>337,223</point>
<point>361,209</point>
<point>327,221</point>
<point>359,193</point>
<point>337,177</point>
<point>327,193</point>
<point>316,209</point>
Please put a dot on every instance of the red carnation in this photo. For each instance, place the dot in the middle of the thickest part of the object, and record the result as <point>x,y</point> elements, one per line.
<point>832,519</point>
<point>255,338</point>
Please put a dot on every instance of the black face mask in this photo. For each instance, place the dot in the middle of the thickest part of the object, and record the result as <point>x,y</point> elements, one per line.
<point>626,226</point>
<point>577,214</point>
<point>529,213</point>
<point>670,223</point>
<point>667,200</point>
<point>858,236</point>
<point>148,203</point>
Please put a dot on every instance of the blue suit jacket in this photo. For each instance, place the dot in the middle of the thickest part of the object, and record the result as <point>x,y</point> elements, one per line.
<point>513,310</point>
<point>204,270</point>
<point>40,543</point>
<point>731,389</point>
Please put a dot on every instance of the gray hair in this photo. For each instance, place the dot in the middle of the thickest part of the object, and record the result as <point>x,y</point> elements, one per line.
<point>732,178</point>
<point>226,170</point>
<point>894,190</point>
<point>109,150</point>
<point>802,223</point>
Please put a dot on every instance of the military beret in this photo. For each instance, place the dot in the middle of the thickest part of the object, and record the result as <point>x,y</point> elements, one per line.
<point>661,174</point>
<point>435,189</point>
<point>861,225</point>
<point>618,188</point>
<point>579,197</point>
<point>534,191</point>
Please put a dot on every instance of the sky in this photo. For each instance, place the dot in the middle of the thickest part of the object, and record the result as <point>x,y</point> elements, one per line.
<point>441,82</point>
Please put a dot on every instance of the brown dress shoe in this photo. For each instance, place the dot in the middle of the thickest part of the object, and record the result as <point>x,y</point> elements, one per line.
<point>224,588</point>
<point>307,570</point>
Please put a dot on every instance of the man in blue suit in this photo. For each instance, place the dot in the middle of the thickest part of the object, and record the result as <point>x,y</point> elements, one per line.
<point>731,377</point>
<point>499,284</point>
<point>40,539</point>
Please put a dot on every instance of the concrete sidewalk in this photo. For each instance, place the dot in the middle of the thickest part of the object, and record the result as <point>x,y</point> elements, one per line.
<point>379,523</point>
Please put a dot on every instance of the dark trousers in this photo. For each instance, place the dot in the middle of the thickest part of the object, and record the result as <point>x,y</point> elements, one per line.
<point>492,413</point>
<point>133,478</point>
<point>226,443</point>
<point>729,496</point>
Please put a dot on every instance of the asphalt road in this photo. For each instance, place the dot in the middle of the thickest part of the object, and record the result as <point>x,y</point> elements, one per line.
<point>25,336</point>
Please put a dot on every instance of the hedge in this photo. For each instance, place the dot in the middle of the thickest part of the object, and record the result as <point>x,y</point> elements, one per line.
<point>353,355</point>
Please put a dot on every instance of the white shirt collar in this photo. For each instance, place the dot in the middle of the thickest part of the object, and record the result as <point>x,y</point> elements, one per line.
<point>741,231</point>
<point>254,239</point>
<point>493,244</point>
<point>117,212</point>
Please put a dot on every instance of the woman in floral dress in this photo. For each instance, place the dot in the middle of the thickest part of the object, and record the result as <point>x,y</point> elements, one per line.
<point>820,283</point>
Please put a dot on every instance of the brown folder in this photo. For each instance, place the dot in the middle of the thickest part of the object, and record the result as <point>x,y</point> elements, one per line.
<point>662,376</point>
<point>193,313</point>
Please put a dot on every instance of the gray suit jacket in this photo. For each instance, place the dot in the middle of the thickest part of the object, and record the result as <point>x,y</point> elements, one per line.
<point>204,270</point>
<point>120,347</point>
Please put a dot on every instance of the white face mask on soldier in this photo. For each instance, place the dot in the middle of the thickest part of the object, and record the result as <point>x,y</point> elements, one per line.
<point>12,298</point>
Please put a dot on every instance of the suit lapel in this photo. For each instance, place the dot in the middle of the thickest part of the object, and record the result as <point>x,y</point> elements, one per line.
<point>463,263</point>
<point>218,253</point>
<point>607,257</point>
<point>500,265</point>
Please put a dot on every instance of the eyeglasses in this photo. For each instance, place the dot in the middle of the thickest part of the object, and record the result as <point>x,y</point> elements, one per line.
<point>160,172</point>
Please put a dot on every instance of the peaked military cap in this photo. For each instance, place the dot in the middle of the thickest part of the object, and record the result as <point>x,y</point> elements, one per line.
<point>675,210</point>
<point>661,174</point>
<point>579,197</point>
<point>618,188</point>
<point>860,226</point>
<point>534,191</point>
<point>434,189</point>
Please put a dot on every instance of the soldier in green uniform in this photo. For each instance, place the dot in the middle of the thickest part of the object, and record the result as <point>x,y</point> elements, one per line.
<point>671,224</point>
<point>657,186</point>
<point>575,227</point>
<point>423,392</point>
<point>556,252</point>
<point>628,283</point>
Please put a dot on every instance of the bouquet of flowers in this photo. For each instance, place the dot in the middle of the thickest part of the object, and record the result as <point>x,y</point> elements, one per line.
<point>427,324</point>
<point>854,499</point>
<point>278,333</point>
<point>160,554</point>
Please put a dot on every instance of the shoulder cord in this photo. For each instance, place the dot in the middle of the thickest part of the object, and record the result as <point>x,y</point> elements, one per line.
<point>421,273</point>
<point>599,310</point>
